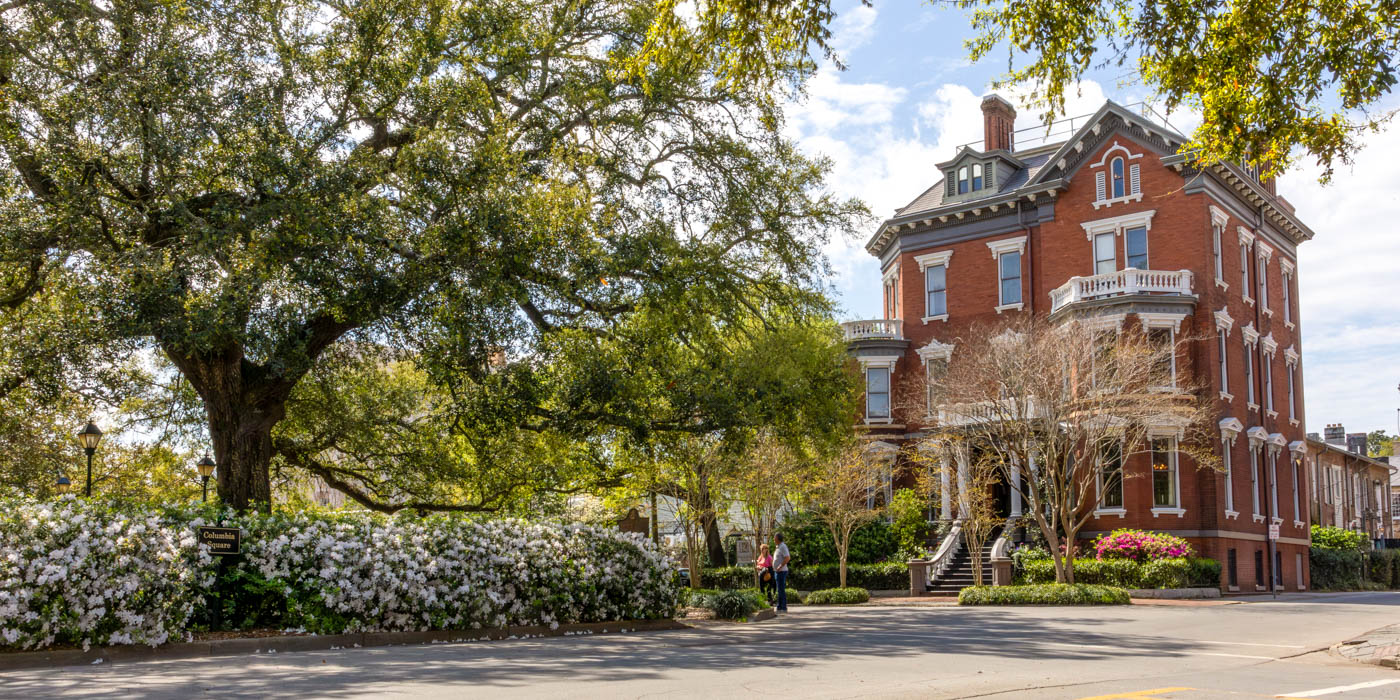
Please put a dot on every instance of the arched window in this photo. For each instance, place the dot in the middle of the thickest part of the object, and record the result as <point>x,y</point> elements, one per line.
<point>1117,178</point>
<point>976,176</point>
<point>962,180</point>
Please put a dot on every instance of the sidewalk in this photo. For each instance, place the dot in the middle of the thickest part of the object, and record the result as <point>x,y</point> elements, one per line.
<point>1379,646</point>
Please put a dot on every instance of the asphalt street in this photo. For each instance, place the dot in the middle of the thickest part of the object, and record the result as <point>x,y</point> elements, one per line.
<point>1256,649</point>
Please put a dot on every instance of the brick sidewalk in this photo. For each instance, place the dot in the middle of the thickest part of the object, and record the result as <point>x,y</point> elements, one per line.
<point>1380,647</point>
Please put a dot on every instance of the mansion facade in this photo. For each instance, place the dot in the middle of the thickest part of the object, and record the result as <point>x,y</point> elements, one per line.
<point>1116,226</point>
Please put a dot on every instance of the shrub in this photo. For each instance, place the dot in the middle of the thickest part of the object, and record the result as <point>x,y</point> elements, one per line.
<point>1126,573</point>
<point>1335,569</point>
<point>727,577</point>
<point>1379,565</point>
<point>1140,546</point>
<point>1044,594</point>
<point>697,597</point>
<point>731,605</point>
<point>95,572</point>
<point>909,523</point>
<point>878,577</point>
<point>1329,537</point>
<point>837,596</point>
<point>809,541</point>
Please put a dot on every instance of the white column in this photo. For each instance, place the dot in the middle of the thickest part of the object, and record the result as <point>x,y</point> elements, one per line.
<point>946,507</point>
<point>962,477</point>
<point>1015,487</point>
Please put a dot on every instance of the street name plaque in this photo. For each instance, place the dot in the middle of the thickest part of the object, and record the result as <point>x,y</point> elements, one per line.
<point>221,540</point>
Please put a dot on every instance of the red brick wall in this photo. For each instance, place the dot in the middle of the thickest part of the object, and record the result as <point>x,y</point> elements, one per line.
<point>1180,238</point>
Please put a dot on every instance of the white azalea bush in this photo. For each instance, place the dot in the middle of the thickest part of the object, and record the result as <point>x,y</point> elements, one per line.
<point>86,573</point>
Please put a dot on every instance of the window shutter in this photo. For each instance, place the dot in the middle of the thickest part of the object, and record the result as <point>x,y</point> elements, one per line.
<point>1133,179</point>
<point>949,185</point>
<point>1099,179</point>
<point>990,181</point>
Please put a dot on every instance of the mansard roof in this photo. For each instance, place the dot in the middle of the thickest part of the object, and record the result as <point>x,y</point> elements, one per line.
<point>1047,169</point>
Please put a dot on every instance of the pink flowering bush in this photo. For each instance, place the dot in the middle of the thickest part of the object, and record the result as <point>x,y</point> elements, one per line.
<point>1141,546</point>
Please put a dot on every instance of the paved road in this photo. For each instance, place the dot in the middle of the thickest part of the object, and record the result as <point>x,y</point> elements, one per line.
<point>1251,650</point>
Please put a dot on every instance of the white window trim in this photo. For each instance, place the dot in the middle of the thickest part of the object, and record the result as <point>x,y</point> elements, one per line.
<point>926,261</point>
<point>1265,253</point>
<point>1009,245</point>
<point>1129,195</point>
<point>1288,269</point>
<point>1247,279</point>
<point>887,361</point>
<point>1174,434</point>
<point>1223,325</point>
<point>1120,511</point>
<point>1251,336</point>
<point>1118,224</point>
<point>1230,429</point>
<point>935,351</point>
<point>1219,221</point>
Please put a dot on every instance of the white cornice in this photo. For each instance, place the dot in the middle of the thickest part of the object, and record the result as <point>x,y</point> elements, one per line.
<point>928,260</point>
<point>891,273</point>
<point>935,351</point>
<point>1223,321</point>
<point>1265,251</point>
<point>1118,224</point>
<point>1290,356</point>
<point>1257,436</point>
<point>1230,428</point>
<point>1246,236</point>
<point>1270,345</point>
<point>1111,150</point>
<point>1006,245</point>
<point>1286,265</point>
<point>1218,217</point>
<point>1251,336</point>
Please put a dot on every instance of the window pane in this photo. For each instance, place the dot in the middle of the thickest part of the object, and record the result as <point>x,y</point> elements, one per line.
<point>1164,349</point>
<point>1137,248</point>
<point>1117,177</point>
<point>877,392</point>
<point>1112,475</point>
<point>1104,261</point>
<point>1163,476</point>
<point>977,177</point>
<point>962,180</point>
<point>1010,278</point>
<point>878,379</point>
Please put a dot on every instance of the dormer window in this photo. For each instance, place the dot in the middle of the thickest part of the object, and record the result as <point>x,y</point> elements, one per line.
<point>976,176</point>
<point>962,180</point>
<point>1117,178</point>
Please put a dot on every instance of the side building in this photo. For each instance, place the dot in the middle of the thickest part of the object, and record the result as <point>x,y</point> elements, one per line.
<point>1115,223</point>
<point>1350,490</point>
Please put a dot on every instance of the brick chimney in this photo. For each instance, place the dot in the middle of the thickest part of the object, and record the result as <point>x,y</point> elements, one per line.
<point>998,123</point>
<point>1335,434</point>
<point>1356,442</point>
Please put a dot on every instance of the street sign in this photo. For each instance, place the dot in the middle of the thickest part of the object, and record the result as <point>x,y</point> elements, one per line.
<point>1273,531</point>
<point>221,540</point>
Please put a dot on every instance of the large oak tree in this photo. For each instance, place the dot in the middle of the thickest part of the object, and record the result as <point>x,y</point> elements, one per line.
<point>243,186</point>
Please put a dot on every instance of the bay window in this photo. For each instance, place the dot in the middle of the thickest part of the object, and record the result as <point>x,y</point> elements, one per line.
<point>1164,473</point>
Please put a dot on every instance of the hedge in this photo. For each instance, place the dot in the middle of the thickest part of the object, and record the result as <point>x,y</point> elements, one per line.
<point>1126,573</point>
<point>1044,594</point>
<point>95,572</point>
<point>877,577</point>
<point>837,596</point>
<point>810,543</point>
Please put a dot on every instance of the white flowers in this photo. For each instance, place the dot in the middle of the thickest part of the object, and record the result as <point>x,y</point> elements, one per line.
<point>136,576</point>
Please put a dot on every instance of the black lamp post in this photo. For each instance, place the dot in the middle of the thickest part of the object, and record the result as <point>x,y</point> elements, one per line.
<point>63,485</point>
<point>89,436</point>
<point>206,470</point>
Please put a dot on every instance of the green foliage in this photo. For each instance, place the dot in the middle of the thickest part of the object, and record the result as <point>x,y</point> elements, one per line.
<point>1126,573</point>
<point>909,523</point>
<point>811,543</point>
<point>1044,594</point>
<point>850,595</point>
<point>877,577</point>
<point>1330,537</point>
<point>1379,444</point>
<point>731,605</point>
<point>1270,79</point>
<point>568,252</point>
<point>1335,569</point>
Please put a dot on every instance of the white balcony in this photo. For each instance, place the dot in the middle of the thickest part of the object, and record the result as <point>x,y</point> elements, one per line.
<point>1127,282</point>
<point>874,328</point>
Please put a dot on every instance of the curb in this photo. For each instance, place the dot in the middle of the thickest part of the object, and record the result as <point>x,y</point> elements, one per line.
<point>271,645</point>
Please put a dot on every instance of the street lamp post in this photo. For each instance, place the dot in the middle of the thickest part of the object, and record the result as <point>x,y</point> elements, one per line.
<point>206,470</point>
<point>89,436</point>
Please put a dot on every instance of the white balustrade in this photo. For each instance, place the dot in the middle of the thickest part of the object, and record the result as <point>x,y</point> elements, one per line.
<point>873,328</point>
<point>1122,282</point>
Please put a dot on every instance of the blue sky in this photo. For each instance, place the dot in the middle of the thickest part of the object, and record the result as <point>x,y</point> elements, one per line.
<point>909,97</point>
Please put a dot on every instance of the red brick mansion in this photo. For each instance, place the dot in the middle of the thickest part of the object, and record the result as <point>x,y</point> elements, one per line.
<point>1115,224</point>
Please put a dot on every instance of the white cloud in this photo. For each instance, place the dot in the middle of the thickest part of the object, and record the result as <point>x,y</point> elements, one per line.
<point>1350,287</point>
<point>852,29</point>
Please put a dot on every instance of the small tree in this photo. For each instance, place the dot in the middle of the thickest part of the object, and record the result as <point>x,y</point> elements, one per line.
<point>770,472</point>
<point>840,494</point>
<point>1062,406</point>
<point>977,507</point>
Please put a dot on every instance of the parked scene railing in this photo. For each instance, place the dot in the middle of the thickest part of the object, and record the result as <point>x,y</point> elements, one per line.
<point>1121,282</point>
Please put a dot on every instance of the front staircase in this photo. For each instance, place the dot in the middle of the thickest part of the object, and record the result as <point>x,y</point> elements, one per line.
<point>958,574</point>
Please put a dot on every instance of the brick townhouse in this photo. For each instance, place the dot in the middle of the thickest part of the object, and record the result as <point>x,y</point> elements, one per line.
<point>1350,490</point>
<point>1112,222</point>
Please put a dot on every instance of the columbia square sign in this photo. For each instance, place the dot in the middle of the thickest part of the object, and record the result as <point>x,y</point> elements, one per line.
<point>221,540</point>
